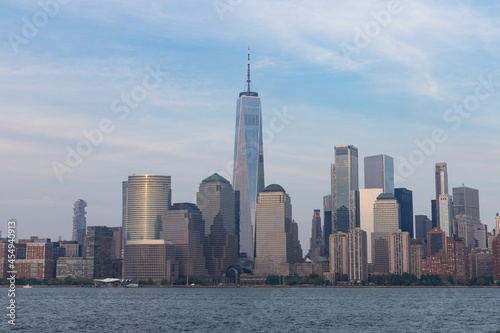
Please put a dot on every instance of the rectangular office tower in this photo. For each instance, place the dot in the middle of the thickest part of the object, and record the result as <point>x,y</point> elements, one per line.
<point>345,188</point>
<point>379,172</point>
<point>405,200</point>
<point>248,169</point>
<point>466,201</point>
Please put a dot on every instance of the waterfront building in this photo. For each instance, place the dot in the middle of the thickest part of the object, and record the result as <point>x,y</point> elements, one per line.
<point>274,242</point>
<point>480,263</point>
<point>379,173</point>
<point>496,258</point>
<point>399,252</point>
<point>150,259</point>
<point>185,227</point>
<point>76,267</point>
<point>98,247</point>
<point>248,169</point>
<point>39,263</point>
<point>339,262</point>
<point>345,188</point>
<point>357,255</point>
<point>417,254</point>
<point>148,200</point>
<point>79,221</point>
<point>71,248</point>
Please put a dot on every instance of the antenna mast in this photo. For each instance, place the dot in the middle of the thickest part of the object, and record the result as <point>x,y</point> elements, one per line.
<point>248,75</point>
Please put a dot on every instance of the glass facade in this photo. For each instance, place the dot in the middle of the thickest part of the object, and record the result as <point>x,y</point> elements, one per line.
<point>466,201</point>
<point>248,172</point>
<point>345,180</point>
<point>379,172</point>
<point>405,200</point>
<point>148,200</point>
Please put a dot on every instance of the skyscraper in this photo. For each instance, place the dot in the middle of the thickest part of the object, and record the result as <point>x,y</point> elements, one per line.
<point>98,248</point>
<point>327,221</point>
<point>79,221</point>
<point>466,201</point>
<point>358,267</point>
<point>274,231</point>
<point>422,226</point>
<point>184,226</point>
<point>124,214</point>
<point>316,240</point>
<point>441,173</point>
<point>445,213</point>
<point>248,172</point>
<point>367,198</point>
<point>148,200</point>
<point>379,172</point>
<point>386,214</point>
<point>497,225</point>
<point>345,188</point>
<point>216,196</point>
<point>405,200</point>
<point>399,252</point>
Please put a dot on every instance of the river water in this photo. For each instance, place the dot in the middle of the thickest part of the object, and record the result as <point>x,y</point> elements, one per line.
<point>254,310</point>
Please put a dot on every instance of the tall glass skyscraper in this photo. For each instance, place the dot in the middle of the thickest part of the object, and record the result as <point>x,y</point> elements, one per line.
<point>345,188</point>
<point>248,172</point>
<point>148,201</point>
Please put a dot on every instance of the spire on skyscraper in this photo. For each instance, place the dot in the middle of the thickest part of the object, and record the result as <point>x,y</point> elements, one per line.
<point>248,74</point>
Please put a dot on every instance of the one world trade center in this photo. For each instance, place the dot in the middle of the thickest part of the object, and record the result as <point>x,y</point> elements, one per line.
<point>248,172</point>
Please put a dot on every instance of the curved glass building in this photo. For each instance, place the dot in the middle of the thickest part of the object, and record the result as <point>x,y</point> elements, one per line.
<point>248,169</point>
<point>148,200</point>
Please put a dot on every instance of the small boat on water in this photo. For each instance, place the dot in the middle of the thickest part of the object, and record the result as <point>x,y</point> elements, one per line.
<point>27,286</point>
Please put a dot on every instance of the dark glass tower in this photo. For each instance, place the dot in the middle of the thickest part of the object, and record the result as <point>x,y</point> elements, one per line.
<point>344,188</point>
<point>405,200</point>
<point>248,172</point>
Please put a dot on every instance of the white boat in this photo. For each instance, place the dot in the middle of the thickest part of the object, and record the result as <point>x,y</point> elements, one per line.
<point>27,286</point>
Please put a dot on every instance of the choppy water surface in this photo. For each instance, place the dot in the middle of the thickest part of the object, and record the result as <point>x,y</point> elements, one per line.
<point>255,310</point>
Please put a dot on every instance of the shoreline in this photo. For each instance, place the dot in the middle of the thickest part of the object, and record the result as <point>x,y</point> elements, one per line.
<point>246,286</point>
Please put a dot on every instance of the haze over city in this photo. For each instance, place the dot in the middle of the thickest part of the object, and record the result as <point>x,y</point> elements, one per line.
<point>378,75</point>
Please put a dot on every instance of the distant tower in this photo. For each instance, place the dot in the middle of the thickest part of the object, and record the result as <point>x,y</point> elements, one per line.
<point>79,221</point>
<point>445,213</point>
<point>497,225</point>
<point>345,188</point>
<point>248,173</point>
<point>316,241</point>
<point>379,172</point>
<point>466,201</point>
<point>441,174</point>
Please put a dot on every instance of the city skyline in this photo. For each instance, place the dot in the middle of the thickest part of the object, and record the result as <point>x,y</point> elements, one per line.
<point>310,91</point>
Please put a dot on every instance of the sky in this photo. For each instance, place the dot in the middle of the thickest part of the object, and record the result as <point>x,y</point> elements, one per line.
<point>92,92</point>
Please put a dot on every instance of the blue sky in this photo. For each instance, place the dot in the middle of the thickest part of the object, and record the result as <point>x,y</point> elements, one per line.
<point>413,61</point>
